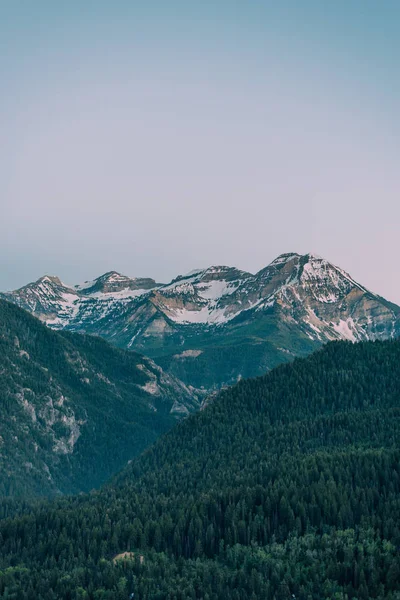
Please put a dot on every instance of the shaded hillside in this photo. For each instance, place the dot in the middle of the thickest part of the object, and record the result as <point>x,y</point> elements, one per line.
<point>73,408</point>
<point>287,486</point>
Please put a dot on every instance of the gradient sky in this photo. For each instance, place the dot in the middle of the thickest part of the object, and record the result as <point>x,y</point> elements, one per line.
<point>157,137</point>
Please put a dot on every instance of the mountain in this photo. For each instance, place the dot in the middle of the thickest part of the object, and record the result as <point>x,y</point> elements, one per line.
<point>286,486</point>
<point>73,408</point>
<point>217,325</point>
<point>64,307</point>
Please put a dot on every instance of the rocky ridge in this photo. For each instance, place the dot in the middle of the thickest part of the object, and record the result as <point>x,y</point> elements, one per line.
<point>289,308</point>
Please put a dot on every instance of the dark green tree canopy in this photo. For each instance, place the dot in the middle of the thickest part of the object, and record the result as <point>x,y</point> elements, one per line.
<point>286,486</point>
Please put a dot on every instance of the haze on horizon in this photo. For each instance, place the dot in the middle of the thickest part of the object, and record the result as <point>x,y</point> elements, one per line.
<point>153,138</point>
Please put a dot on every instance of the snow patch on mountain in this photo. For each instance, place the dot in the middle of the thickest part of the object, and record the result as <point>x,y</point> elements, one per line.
<point>126,293</point>
<point>205,315</point>
<point>216,289</point>
<point>346,329</point>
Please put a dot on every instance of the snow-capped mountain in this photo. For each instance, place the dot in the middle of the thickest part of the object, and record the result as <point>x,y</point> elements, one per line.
<point>59,304</point>
<point>218,324</point>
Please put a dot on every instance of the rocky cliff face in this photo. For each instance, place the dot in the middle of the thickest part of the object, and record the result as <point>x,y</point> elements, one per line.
<point>218,324</point>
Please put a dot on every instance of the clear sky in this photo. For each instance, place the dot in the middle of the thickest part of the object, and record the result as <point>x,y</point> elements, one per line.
<point>157,137</point>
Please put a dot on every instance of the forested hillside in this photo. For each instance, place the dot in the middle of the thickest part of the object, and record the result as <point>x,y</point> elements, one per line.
<point>287,486</point>
<point>73,408</point>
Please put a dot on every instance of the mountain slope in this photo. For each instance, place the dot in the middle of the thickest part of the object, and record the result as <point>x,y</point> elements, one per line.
<point>286,486</point>
<point>73,408</point>
<point>217,325</point>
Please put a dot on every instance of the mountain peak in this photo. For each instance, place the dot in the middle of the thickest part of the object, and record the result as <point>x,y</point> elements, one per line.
<point>47,281</point>
<point>111,276</point>
<point>224,272</point>
<point>50,278</point>
<point>112,281</point>
<point>285,258</point>
<point>289,256</point>
<point>312,256</point>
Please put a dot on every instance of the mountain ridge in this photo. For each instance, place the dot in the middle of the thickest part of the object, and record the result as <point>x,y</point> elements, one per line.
<point>290,307</point>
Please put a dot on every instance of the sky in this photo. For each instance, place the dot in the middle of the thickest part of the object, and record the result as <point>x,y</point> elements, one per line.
<point>157,137</point>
